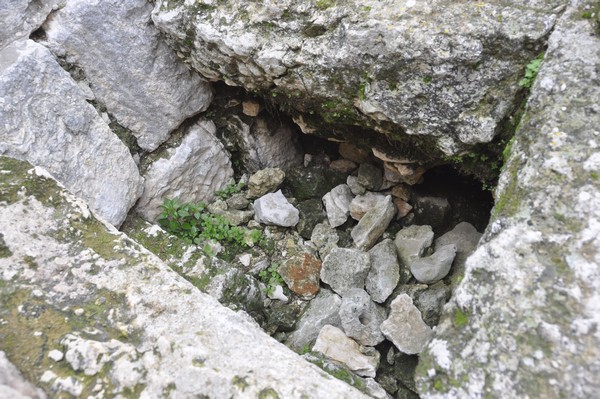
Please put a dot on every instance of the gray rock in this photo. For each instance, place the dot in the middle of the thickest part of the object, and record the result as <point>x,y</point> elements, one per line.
<point>361,204</point>
<point>432,211</point>
<point>130,69</point>
<point>321,311</point>
<point>191,172</point>
<point>355,187</point>
<point>12,383</point>
<point>353,153</point>
<point>235,217</point>
<point>337,205</point>
<point>369,176</point>
<point>361,317</point>
<point>325,238</point>
<point>431,302</point>
<point>312,182</point>
<point>160,333</point>
<point>333,343</point>
<point>412,44</point>
<point>62,133</point>
<point>372,225</point>
<point>411,243</point>
<point>465,237</point>
<point>375,390</point>
<point>19,18</point>
<point>238,201</point>
<point>311,214</point>
<point>527,308</point>
<point>405,327</point>
<point>275,209</point>
<point>336,369</point>
<point>265,181</point>
<point>435,267</point>
<point>345,268</point>
<point>384,274</point>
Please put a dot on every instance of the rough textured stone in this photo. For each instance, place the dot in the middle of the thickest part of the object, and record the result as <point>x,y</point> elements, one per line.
<point>312,182</point>
<point>448,70</point>
<point>384,274</point>
<point>343,165</point>
<point>431,302</point>
<point>311,214</point>
<point>12,383</point>
<point>19,18</point>
<point>325,238</point>
<point>369,176</point>
<point>333,343</point>
<point>361,204</point>
<point>411,242</point>
<point>322,310</point>
<point>372,225</point>
<point>275,209</point>
<point>191,172</point>
<point>465,237</point>
<point>523,322</point>
<point>361,317</point>
<point>403,208</point>
<point>301,273</point>
<point>431,211</point>
<point>47,121</point>
<point>128,66</point>
<point>166,335</point>
<point>237,201</point>
<point>337,205</point>
<point>353,153</point>
<point>265,181</point>
<point>435,267</point>
<point>405,327</point>
<point>345,268</point>
<point>355,187</point>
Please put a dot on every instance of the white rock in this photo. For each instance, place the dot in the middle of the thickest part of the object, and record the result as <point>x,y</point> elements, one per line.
<point>12,383</point>
<point>405,327</point>
<point>361,204</point>
<point>337,204</point>
<point>373,224</point>
<point>333,343</point>
<point>56,355</point>
<point>274,208</point>
<point>435,267</point>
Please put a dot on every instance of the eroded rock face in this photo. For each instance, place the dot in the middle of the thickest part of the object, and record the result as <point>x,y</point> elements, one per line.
<point>47,121</point>
<point>128,66</point>
<point>524,320</point>
<point>85,288</point>
<point>443,69</point>
<point>18,18</point>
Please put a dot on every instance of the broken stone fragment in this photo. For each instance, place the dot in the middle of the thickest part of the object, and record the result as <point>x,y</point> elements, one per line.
<point>385,271</point>
<point>372,225</point>
<point>390,158</point>
<point>411,242</point>
<point>405,327</point>
<point>433,211</point>
<point>403,208</point>
<point>333,343</point>
<point>435,267</point>
<point>250,108</point>
<point>238,201</point>
<point>311,214</point>
<point>361,204</point>
<point>402,191</point>
<point>370,176</point>
<point>337,205</point>
<point>325,238</point>
<point>301,273</point>
<point>361,317</point>
<point>355,187</point>
<point>343,165</point>
<point>275,209</point>
<point>345,268</point>
<point>465,237</point>
<point>410,174</point>
<point>265,181</point>
<point>353,153</point>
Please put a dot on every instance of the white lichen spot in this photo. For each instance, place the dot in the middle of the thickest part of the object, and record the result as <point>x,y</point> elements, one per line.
<point>153,231</point>
<point>47,376</point>
<point>56,355</point>
<point>439,350</point>
<point>42,172</point>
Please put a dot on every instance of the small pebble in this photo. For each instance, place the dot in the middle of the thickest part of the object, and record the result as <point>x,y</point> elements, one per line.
<point>56,355</point>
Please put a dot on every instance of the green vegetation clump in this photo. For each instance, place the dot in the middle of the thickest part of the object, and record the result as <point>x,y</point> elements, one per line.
<point>271,277</point>
<point>324,4</point>
<point>531,71</point>
<point>232,188</point>
<point>460,319</point>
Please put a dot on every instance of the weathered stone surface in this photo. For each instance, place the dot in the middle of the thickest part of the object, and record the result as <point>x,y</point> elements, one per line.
<point>395,55</point>
<point>275,209</point>
<point>465,237</point>
<point>337,205</point>
<point>412,241</point>
<point>435,267</point>
<point>361,204</point>
<point>384,274</point>
<point>325,238</point>
<point>237,201</point>
<point>167,335</point>
<point>323,310</point>
<point>333,343</point>
<point>369,176</point>
<point>311,214</point>
<point>191,172</point>
<point>361,317</point>
<point>405,327</point>
<point>431,211</point>
<point>345,268</point>
<point>128,66</point>
<point>431,302</point>
<point>265,181</point>
<point>372,225</point>
<point>47,121</point>
<point>403,208</point>
<point>523,322</point>
<point>301,273</point>
<point>19,18</point>
<point>343,165</point>
<point>312,182</point>
<point>353,153</point>
<point>375,390</point>
<point>12,383</point>
<point>355,187</point>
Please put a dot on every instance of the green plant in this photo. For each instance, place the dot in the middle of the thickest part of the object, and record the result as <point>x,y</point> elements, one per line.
<point>531,71</point>
<point>324,4</point>
<point>271,277</point>
<point>230,189</point>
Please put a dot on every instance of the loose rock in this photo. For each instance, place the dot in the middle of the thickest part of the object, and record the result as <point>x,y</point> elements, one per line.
<point>325,238</point>
<point>405,327</point>
<point>301,273</point>
<point>355,187</point>
<point>465,237</point>
<point>370,176</point>
<point>435,267</point>
<point>361,317</point>
<point>345,268</point>
<point>411,242</point>
<point>275,209</point>
<point>311,214</point>
<point>384,274</point>
<point>361,204</point>
<point>372,225</point>
<point>337,205</point>
<point>265,181</point>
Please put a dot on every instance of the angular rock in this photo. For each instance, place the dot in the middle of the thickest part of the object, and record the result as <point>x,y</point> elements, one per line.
<point>235,217</point>
<point>355,187</point>
<point>370,176</point>
<point>191,172</point>
<point>12,383</point>
<point>432,211</point>
<point>402,191</point>
<point>265,181</point>
<point>325,238</point>
<point>345,268</point>
<point>372,225</point>
<point>333,343</point>
<point>237,201</point>
<point>321,311</point>
<point>251,108</point>
<point>312,182</point>
<point>435,267</point>
<point>375,390</point>
<point>19,18</point>
<point>311,214</point>
<point>59,131</point>
<point>128,66</point>
<point>384,274</point>
<point>411,242</point>
<point>275,209</point>
<point>361,204</point>
<point>361,317</point>
<point>540,273</point>
<point>337,205</point>
<point>403,208</point>
<point>168,336</point>
<point>353,153</point>
<point>465,237</point>
<point>405,327</point>
<point>410,174</point>
<point>301,273</point>
<point>343,165</point>
<point>431,302</point>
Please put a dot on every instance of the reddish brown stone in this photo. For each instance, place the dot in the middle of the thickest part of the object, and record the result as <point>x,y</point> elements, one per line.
<point>301,273</point>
